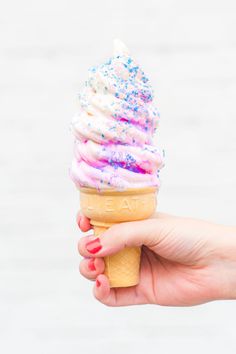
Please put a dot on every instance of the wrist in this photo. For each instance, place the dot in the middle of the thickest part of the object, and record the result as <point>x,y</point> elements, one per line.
<point>227,255</point>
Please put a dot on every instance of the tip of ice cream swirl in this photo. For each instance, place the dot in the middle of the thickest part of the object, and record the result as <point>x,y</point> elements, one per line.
<point>115,126</point>
<point>119,48</point>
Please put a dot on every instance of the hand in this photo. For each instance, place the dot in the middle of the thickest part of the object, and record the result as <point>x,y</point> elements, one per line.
<point>184,261</point>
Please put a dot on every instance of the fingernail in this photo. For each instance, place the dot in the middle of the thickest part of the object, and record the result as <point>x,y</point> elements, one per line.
<point>91,264</point>
<point>93,246</point>
<point>98,283</point>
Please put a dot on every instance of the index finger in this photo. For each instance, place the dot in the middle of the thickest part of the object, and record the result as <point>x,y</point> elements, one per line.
<point>83,222</point>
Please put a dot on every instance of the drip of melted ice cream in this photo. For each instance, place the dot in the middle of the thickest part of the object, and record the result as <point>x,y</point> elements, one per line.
<point>115,126</point>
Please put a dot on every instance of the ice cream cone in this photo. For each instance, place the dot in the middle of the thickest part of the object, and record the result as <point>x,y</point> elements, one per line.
<point>109,207</point>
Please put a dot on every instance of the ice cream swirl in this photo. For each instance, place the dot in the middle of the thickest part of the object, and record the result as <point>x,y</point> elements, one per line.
<point>115,126</point>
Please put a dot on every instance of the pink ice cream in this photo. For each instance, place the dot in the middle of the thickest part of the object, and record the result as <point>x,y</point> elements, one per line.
<point>115,126</point>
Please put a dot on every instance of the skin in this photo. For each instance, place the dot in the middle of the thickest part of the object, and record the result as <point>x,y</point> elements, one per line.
<point>184,261</point>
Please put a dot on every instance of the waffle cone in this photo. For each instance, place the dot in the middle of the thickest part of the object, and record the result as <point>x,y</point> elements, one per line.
<point>108,207</point>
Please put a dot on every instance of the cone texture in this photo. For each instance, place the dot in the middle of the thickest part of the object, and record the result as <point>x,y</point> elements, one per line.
<point>122,268</point>
<point>109,207</point>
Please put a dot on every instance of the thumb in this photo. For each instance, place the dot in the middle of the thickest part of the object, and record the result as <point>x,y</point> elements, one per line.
<point>129,234</point>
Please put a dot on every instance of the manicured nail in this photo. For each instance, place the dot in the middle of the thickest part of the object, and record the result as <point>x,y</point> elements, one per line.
<point>93,246</point>
<point>91,264</point>
<point>98,283</point>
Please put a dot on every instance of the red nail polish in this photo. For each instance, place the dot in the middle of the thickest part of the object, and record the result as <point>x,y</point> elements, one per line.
<point>91,264</point>
<point>93,246</point>
<point>98,283</point>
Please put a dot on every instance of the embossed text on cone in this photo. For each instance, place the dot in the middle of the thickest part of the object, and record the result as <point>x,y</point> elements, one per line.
<point>109,207</point>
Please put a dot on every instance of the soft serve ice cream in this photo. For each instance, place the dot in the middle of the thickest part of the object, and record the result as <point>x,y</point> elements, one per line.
<point>115,126</point>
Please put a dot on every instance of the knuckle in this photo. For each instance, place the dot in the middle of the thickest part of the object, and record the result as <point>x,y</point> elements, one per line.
<point>107,303</point>
<point>102,301</point>
<point>79,247</point>
<point>84,272</point>
<point>81,267</point>
<point>81,244</point>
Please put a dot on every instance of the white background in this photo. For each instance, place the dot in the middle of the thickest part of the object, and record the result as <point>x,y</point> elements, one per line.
<point>188,49</point>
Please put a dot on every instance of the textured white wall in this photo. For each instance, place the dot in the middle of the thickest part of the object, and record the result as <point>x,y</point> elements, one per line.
<point>188,48</point>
